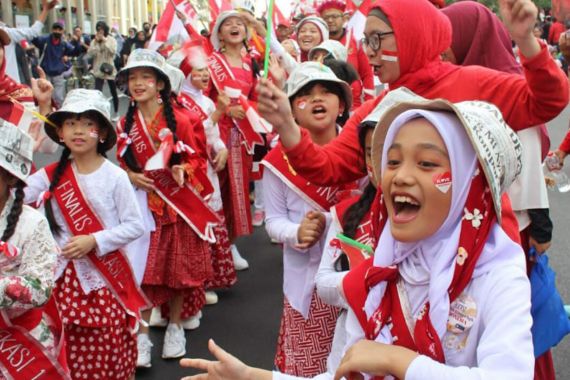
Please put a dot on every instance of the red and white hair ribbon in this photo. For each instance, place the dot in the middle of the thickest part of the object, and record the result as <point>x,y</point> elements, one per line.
<point>8,249</point>
<point>160,159</point>
<point>388,55</point>
<point>123,142</point>
<point>44,196</point>
<point>180,148</point>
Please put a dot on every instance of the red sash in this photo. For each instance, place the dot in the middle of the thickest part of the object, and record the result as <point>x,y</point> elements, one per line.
<point>365,231</point>
<point>320,197</point>
<point>22,356</point>
<point>222,77</point>
<point>114,267</point>
<point>190,104</point>
<point>187,203</point>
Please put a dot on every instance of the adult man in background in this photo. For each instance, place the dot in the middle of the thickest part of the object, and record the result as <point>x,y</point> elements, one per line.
<point>18,35</point>
<point>332,11</point>
<point>54,53</point>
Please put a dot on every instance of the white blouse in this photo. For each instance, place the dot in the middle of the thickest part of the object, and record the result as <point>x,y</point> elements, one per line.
<point>113,200</point>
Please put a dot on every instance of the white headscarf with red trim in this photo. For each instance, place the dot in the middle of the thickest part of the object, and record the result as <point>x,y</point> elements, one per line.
<point>432,261</point>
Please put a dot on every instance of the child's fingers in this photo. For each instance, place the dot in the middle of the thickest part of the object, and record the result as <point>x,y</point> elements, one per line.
<point>201,364</point>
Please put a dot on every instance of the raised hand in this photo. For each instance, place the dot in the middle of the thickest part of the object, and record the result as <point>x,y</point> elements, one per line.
<point>42,90</point>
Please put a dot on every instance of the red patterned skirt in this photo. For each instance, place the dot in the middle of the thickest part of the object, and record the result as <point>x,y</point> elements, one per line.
<point>178,259</point>
<point>305,344</point>
<point>99,343</point>
<point>222,262</point>
<point>194,301</point>
<point>234,186</point>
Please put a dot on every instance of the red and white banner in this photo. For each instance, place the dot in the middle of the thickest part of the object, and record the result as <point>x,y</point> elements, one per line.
<point>358,19</point>
<point>170,28</point>
<point>219,6</point>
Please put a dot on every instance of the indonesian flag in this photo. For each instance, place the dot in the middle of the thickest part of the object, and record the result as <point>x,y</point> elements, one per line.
<point>279,18</point>
<point>219,6</point>
<point>170,28</point>
<point>355,251</point>
<point>259,124</point>
<point>358,19</point>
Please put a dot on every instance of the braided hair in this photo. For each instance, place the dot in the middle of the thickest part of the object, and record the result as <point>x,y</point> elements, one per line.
<point>15,211</point>
<point>62,165</point>
<point>171,123</point>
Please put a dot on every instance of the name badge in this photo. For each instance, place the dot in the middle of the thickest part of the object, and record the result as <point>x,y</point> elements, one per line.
<point>462,314</point>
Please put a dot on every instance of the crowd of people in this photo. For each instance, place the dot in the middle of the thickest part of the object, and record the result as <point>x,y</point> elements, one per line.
<point>408,217</point>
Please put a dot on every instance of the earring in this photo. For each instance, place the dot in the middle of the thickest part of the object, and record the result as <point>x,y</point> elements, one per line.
<point>132,102</point>
<point>159,99</point>
<point>222,46</point>
<point>60,140</point>
<point>101,141</point>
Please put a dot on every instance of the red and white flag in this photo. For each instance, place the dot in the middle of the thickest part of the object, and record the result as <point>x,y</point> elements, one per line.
<point>20,116</point>
<point>358,19</point>
<point>170,28</point>
<point>219,6</point>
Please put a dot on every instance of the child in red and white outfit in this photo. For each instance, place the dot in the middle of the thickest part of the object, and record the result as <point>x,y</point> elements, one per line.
<point>163,147</point>
<point>89,205</point>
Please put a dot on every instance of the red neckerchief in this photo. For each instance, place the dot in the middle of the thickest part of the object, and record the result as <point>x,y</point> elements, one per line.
<point>424,339</point>
<point>320,197</point>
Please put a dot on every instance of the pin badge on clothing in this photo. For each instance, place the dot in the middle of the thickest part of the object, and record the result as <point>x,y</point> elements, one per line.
<point>462,314</point>
<point>442,181</point>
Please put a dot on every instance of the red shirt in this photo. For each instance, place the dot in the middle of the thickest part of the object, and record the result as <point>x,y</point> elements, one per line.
<point>524,101</point>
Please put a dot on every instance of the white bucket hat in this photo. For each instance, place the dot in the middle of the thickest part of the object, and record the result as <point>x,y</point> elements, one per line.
<point>497,146</point>
<point>214,39</point>
<point>175,76</point>
<point>16,150</point>
<point>319,22</point>
<point>308,72</point>
<point>332,47</point>
<point>143,58</point>
<point>77,102</point>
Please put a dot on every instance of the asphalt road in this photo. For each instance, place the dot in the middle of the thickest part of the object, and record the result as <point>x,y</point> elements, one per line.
<point>245,321</point>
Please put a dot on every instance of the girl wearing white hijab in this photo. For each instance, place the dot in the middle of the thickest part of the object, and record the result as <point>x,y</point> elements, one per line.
<point>446,294</point>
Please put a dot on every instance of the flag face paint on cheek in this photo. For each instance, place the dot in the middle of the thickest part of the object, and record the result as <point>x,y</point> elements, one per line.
<point>442,181</point>
<point>94,133</point>
<point>301,102</point>
<point>388,55</point>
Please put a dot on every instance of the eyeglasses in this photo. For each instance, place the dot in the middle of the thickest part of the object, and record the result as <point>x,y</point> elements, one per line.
<point>333,17</point>
<point>374,41</point>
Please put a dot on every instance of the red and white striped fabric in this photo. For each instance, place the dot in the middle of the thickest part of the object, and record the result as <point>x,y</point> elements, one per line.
<point>20,116</point>
<point>358,19</point>
<point>169,27</point>
<point>219,6</point>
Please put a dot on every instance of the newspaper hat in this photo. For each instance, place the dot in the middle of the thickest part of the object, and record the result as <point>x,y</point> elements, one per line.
<point>143,58</point>
<point>16,150</point>
<point>332,47</point>
<point>308,72</point>
<point>77,102</point>
<point>319,23</point>
<point>214,39</point>
<point>497,146</point>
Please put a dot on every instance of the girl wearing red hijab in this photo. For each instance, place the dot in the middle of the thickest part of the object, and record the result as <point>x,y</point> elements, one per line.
<point>404,41</point>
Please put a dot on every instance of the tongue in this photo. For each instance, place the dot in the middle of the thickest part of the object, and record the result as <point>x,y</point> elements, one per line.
<point>407,211</point>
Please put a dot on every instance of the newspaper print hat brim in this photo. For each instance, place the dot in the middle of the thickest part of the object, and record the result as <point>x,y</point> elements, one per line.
<point>497,146</point>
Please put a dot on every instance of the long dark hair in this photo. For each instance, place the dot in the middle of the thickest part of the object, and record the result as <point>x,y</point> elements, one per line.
<point>15,211</point>
<point>129,156</point>
<point>354,214</point>
<point>62,165</point>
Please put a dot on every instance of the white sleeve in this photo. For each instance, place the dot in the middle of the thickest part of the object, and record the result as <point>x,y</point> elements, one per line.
<point>212,131</point>
<point>504,350</point>
<point>130,225</point>
<point>327,279</point>
<point>277,222</point>
<point>19,34</point>
<point>35,185</point>
<point>289,63</point>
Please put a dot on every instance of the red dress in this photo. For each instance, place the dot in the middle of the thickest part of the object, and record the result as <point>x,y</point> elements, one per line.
<point>235,178</point>
<point>178,259</point>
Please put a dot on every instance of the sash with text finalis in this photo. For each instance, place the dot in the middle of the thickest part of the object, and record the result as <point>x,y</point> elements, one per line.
<point>114,267</point>
<point>187,203</point>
